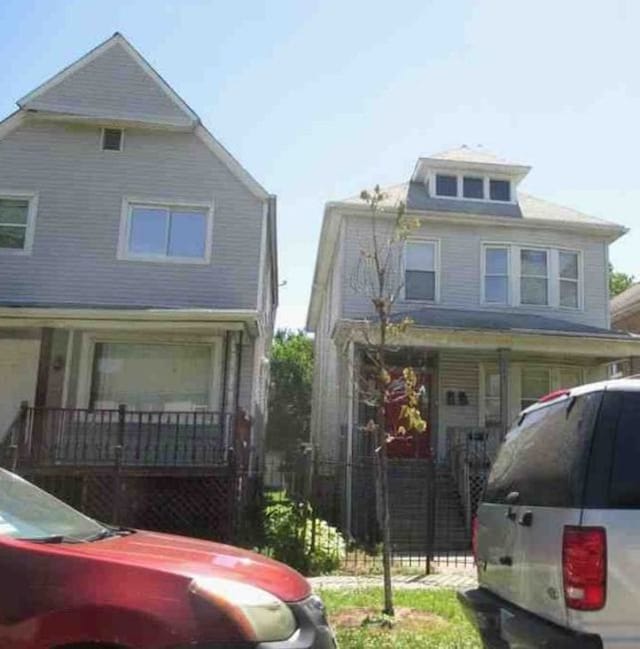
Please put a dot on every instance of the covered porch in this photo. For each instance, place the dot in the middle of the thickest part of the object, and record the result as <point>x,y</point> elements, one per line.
<point>474,385</point>
<point>140,388</point>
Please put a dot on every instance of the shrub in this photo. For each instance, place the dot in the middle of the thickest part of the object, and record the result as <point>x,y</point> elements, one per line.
<point>296,537</point>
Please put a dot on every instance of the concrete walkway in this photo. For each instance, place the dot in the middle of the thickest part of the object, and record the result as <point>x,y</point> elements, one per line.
<point>447,580</point>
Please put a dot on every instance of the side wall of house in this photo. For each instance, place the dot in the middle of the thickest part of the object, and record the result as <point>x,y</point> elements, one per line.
<point>329,389</point>
<point>460,276</point>
<point>80,191</point>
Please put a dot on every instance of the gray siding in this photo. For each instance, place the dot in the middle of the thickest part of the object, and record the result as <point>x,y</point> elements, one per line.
<point>113,84</point>
<point>77,226</point>
<point>460,267</point>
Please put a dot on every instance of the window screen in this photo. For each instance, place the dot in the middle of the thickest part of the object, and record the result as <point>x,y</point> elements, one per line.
<point>14,217</point>
<point>446,185</point>
<point>544,457</point>
<point>473,187</point>
<point>112,139</point>
<point>420,270</point>
<point>500,190</point>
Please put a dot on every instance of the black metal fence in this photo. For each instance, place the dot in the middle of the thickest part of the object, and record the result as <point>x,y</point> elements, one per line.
<point>324,511</point>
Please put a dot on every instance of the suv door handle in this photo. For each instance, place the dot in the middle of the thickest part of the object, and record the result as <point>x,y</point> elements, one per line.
<point>526,520</point>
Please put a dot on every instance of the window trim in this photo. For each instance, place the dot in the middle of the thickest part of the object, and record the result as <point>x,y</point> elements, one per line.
<point>436,269</point>
<point>579,281</point>
<point>486,178</point>
<point>553,277</point>
<point>102,134</point>
<point>547,277</point>
<point>87,357</point>
<point>129,202</point>
<point>32,212</point>
<point>483,273</point>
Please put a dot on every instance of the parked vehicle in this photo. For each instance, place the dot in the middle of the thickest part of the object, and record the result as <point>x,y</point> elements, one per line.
<point>69,581</point>
<point>556,533</point>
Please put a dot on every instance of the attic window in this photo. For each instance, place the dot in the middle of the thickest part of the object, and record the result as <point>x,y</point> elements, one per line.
<point>446,185</point>
<point>112,139</point>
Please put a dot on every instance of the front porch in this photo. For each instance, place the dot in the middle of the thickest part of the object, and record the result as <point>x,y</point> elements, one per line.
<point>153,389</point>
<point>474,385</point>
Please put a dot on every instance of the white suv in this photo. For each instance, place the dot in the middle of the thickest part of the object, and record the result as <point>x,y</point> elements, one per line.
<point>557,536</point>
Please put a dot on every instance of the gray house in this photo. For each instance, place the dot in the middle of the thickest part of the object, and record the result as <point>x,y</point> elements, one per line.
<point>139,271</point>
<point>507,294</point>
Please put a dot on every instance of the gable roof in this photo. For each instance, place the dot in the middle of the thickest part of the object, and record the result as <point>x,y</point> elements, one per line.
<point>115,83</point>
<point>112,80</point>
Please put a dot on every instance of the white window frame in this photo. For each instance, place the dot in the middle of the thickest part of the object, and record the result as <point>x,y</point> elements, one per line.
<point>88,350</point>
<point>451,175</point>
<point>111,128</point>
<point>546,277</point>
<point>486,178</point>
<point>553,276</point>
<point>484,275</point>
<point>579,281</point>
<point>130,202</point>
<point>485,369</point>
<point>436,269</point>
<point>32,211</point>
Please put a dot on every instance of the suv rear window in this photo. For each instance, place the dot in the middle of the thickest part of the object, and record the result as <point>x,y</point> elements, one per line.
<point>544,456</point>
<point>624,489</point>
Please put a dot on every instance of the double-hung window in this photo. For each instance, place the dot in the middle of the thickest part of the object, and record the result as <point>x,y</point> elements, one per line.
<point>492,397</point>
<point>569,275</point>
<point>17,215</point>
<point>421,273</point>
<point>171,233</point>
<point>535,384</point>
<point>496,274</point>
<point>534,277</point>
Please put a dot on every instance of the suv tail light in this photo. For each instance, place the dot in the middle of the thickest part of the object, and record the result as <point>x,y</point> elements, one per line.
<point>474,537</point>
<point>584,567</point>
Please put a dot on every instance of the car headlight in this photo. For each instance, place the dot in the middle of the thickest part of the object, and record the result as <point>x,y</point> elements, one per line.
<point>262,616</point>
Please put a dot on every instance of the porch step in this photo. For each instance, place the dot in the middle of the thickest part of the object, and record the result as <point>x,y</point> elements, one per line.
<point>409,486</point>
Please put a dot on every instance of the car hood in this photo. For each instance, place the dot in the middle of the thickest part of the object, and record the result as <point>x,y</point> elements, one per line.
<point>195,558</point>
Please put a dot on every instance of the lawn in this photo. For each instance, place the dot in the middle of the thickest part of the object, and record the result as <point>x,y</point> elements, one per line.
<point>425,618</point>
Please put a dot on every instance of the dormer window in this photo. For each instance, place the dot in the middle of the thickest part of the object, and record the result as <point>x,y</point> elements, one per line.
<point>446,185</point>
<point>112,139</point>
<point>499,190</point>
<point>473,187</point>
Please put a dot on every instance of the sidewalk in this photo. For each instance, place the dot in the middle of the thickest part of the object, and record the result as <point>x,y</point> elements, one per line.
<point>448,580</point>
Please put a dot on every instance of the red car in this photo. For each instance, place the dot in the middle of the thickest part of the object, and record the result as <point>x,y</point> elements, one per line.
<point>68,582</point>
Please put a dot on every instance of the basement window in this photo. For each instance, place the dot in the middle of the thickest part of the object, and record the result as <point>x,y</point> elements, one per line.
<point>112,139</point>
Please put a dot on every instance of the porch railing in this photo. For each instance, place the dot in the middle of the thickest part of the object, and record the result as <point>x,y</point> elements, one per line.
<point>470,454</point>
<point>94,437</point>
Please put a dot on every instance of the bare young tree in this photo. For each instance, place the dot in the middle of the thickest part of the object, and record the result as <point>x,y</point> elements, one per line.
<point>378,276</point>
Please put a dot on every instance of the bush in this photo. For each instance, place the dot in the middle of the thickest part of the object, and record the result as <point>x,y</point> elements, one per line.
<point>296,537</point>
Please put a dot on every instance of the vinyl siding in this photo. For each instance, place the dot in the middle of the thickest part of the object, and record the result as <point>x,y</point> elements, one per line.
<point>460,267</point>
<point>81,188</point>
<point>113,85</point>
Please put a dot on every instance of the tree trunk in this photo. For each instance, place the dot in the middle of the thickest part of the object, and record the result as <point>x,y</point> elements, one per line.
<point>385,524</point>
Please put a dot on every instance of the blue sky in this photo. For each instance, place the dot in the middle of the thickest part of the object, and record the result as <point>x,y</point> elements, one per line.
<point>321,99</point>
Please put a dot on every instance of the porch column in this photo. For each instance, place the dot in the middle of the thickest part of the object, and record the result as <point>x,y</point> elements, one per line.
<point>504,361</point>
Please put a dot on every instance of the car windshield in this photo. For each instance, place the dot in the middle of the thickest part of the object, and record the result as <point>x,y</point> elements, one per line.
<point>29,513</point>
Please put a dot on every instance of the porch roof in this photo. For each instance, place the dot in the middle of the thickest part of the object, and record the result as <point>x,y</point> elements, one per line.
<point>441,328</point>
<point>501,321</point>
<point>127,318</point>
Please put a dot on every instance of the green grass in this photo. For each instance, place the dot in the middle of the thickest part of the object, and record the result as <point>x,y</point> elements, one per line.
<point>446,628</point>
